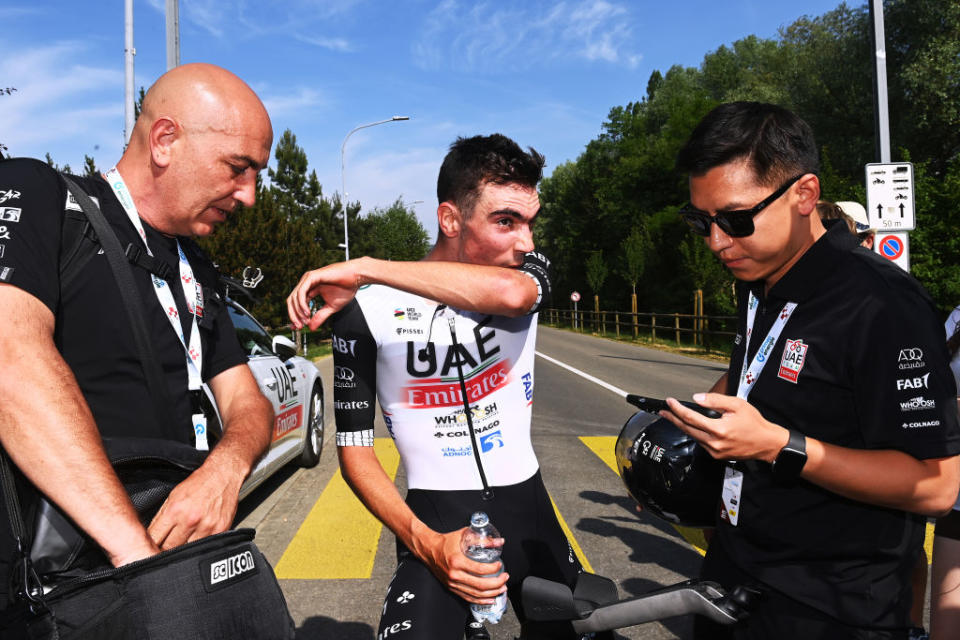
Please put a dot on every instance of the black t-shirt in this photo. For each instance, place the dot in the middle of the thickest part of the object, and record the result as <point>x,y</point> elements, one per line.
<point>92,327</point>
<point>861,363</point>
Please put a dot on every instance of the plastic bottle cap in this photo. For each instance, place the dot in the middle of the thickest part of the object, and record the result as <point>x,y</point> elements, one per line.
<point>479,519</point>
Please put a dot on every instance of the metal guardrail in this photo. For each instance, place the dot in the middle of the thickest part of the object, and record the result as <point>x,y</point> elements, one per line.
<point>708,332</point>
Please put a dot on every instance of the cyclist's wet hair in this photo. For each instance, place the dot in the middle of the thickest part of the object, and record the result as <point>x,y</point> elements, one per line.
<point>775,142</point>
<point>473,162</point>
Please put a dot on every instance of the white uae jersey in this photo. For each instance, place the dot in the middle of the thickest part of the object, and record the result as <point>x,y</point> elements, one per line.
<point>396,347</point>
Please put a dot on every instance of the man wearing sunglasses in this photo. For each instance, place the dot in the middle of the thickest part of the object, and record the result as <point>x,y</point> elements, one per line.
<point>839,423</point>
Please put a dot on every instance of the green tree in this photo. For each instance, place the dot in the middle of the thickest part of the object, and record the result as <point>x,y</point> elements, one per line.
<point>138,104</point>
<point>635,248</point>
<point>65,168</point>
<point>89,167</point>
<point>597,271</point>
<point>396,234</point>
<point>822,68</point>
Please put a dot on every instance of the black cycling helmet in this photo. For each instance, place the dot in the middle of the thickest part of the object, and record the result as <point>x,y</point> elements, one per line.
<point>667,472</point>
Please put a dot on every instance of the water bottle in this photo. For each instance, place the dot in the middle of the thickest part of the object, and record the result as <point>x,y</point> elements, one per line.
<point>477,544</point>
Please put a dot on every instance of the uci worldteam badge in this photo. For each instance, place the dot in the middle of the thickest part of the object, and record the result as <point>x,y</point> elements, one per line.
<point>794,356</point>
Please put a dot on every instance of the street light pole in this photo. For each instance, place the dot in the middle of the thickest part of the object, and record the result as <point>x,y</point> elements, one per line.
<point>343,188</point>
<point>173,34</point>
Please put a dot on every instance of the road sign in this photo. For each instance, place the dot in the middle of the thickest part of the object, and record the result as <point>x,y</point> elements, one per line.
<point>890,196</point>
<point>575,296</point>
<point>895,247</point>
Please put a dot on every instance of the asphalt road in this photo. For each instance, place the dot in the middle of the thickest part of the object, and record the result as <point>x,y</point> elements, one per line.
<point>637,551</point>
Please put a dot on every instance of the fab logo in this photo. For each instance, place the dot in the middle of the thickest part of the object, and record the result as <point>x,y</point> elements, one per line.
<point>794,356</point>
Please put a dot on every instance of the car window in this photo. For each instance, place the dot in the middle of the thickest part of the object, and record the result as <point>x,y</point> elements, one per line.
<point>254,340</point>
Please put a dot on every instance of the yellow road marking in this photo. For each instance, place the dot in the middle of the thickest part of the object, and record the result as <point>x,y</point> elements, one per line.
<point>603,447</point>
<point>572,540</point>
<point>339,537</point>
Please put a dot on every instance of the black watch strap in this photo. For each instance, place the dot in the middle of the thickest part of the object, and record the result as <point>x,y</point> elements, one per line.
<point>792,457</point>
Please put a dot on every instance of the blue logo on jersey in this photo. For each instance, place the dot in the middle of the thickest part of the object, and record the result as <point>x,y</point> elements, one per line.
<point>491,441</point>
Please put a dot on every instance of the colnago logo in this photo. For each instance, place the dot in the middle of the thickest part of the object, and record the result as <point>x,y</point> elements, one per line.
<point>920,425</point>
<point>346,347</point>
<point>918,404</point>
<point>464,431</point>
<point>913,383</point>
<point>231,567</point>
<point>440,392</point>
<point>351,405</point>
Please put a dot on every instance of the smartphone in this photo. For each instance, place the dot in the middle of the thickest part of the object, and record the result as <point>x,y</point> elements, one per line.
<point>654,405</point>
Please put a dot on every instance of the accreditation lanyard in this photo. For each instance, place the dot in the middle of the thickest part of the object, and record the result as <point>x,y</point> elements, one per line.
<point>192,293</point>
<point>749,372</point>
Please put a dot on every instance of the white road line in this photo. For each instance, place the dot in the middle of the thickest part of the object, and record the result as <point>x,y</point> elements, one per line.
<point>617,390</point>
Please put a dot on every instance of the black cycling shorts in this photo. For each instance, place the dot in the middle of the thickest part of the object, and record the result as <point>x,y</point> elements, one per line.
<point>418,605</point>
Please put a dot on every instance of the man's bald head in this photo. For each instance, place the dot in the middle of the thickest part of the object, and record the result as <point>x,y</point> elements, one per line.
<point>196,148</point>
<point>201,97</point>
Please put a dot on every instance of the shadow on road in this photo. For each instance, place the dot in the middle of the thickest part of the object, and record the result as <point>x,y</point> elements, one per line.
<point>261,493</point>
<point>669,551</point>
<point>323,628</point>
<point>665,549</point>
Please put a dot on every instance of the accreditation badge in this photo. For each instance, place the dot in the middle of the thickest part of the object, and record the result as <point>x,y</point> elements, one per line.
<point>732,488</point>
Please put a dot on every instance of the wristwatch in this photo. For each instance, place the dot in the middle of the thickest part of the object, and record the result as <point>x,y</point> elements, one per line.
<point>792,457</point>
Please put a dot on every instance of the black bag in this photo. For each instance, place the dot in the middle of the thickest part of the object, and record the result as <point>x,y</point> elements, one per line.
<point>148,468</point>
<point>215,588</point>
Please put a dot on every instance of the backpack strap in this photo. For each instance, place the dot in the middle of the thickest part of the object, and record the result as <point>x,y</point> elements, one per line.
<point>134,306</point>
<point>79,243</point>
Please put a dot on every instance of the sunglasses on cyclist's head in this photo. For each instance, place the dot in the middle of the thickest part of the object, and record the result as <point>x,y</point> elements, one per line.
<point>736,224</point>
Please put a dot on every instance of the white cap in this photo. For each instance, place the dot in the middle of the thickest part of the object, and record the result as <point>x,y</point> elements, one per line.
<point>856,211</point>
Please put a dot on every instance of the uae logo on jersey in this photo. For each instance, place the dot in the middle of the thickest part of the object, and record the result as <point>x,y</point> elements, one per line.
<point>794,356</point>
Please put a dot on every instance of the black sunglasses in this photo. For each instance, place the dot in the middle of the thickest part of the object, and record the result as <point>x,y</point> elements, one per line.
<point>736,224</point>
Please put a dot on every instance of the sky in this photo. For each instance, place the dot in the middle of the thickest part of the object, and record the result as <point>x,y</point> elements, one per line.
<point>544,73</point>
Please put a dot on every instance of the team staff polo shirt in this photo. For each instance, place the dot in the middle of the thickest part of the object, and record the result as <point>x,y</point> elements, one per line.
<point>861,363</point>
<point>397,347</point>
<point>92,326</point>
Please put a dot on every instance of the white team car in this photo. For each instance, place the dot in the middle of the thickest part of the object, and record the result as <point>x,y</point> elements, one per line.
<point>294,387</point>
